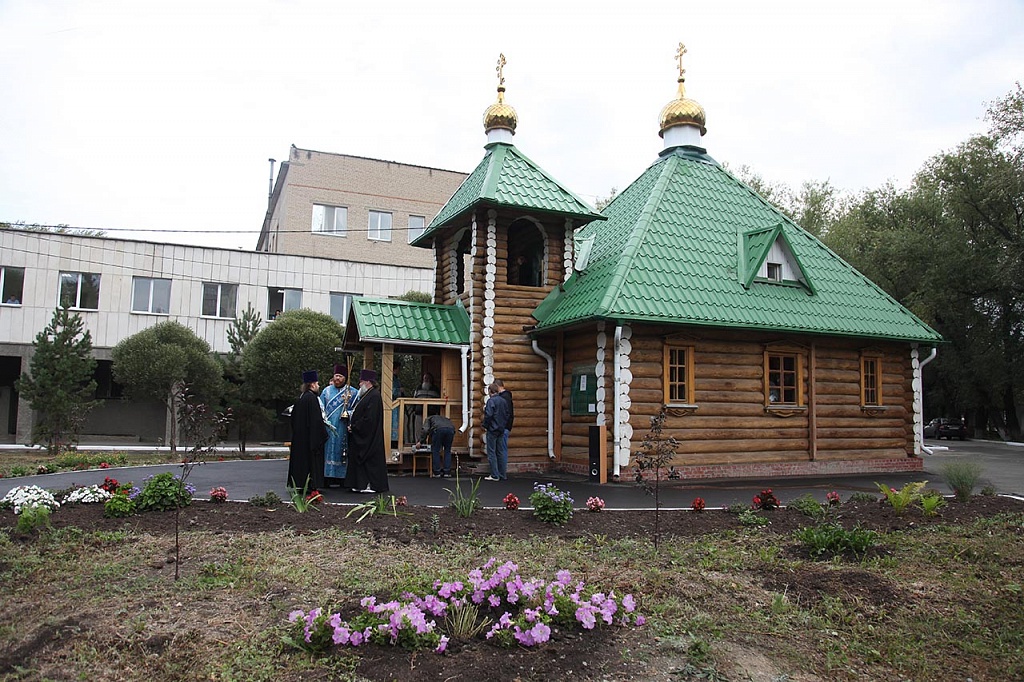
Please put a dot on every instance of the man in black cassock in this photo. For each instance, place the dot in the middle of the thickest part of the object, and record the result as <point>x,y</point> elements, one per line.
<point>309,434</point>
<point>367,459</point>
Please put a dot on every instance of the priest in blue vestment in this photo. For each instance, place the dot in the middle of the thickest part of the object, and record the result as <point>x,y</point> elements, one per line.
<point>337,399</point>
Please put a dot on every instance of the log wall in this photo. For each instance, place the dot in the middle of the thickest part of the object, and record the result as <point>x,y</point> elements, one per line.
<point>731,424</point>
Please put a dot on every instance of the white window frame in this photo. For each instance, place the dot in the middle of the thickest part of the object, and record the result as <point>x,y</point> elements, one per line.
<point>346,305</point>
<point>77,304</point>
<point>377,232</point>
<point>222,294</point>
<point>421,229</point>
<point>4,269</point>
<point>150,306</point>
<point>330,220</point>
<point>287,294</point>
<point>775,272</point>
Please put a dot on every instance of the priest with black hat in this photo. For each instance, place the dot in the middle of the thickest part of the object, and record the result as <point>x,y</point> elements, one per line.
<point>367,458</point>
<point>309,433</point>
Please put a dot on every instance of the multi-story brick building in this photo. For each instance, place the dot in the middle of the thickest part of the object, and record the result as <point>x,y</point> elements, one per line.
<point>355,209</point>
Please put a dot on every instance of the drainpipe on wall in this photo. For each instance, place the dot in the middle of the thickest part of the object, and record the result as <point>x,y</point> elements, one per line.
<point>920,368</point>
<point>465,390</point>
<point>551,398</point>
<point>616,378</point>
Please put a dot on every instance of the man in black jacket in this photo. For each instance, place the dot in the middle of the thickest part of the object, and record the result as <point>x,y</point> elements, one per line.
<point>507,395</point>
<point>309,434</point>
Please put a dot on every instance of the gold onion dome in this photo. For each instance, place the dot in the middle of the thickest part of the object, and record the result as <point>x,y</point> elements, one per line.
<point>499,114</point>
<point>682,110</point>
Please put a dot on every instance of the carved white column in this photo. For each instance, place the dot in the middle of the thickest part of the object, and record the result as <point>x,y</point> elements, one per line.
<point>453,266</point>
<point>474,330</point>
<point>567,256</point>
<point>918,388</point>
<point>599,371</point>
<point>625,379</point>
<point>490,271</point>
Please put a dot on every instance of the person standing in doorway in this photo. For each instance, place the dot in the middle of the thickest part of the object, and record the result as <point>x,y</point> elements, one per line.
<point>367,458</point>
<point>495,423</point>
<point>309,434</point>
<point>337,400</point>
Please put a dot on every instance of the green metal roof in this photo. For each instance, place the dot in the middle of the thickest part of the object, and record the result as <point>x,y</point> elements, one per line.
<point>678,247</point>
<point>506,177</point>
<point>411,323</point>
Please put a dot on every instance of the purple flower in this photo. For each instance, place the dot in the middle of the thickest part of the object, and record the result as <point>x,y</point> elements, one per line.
<point>341,636</point>
<point>628,603</point>
<point>442,645</point>
<point>295,615</point>
<point>585,615</point>
<point>640,620</point>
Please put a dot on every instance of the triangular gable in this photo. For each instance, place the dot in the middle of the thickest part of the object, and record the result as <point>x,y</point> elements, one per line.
<point>755,248</point>
<point>404,322</point>
<point>506,177</point>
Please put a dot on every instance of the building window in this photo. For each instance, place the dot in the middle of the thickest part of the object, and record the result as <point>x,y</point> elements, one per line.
<point>417,225</point>
<point>870,381</point>
<point>380,226</point>
<point>340,305</point>
<point>281,300</point>
<point>678,363</point>
<point>79,290</point>
<point>583,396</point>
<point>151,295</point>
<point>106,387</point>
<point>219,299</point>
<point>330,219</point>
<point>12,284</point>
<point>783,385</point>
<point>775,272</point>
<point>525,265</point>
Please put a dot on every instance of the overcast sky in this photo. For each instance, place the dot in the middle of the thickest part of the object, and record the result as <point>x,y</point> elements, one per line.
<point>161,115</point>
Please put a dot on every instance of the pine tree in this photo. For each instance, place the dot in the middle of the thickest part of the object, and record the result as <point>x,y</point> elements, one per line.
<point>61,388</point>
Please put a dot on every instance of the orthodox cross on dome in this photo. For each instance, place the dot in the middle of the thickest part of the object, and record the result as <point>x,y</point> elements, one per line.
<point>680,51</point>
<point>501,66</point>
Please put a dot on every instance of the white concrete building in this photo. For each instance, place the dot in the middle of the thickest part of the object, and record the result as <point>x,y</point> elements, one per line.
<point>120,287</point>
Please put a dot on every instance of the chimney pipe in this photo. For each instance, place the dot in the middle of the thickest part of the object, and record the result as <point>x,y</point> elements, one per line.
<point>270,193</point>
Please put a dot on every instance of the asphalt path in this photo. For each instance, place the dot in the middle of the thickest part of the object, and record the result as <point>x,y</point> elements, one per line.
<point>1003,468</point>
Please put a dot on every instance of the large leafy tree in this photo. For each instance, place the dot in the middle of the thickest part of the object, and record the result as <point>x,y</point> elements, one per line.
<point>161,362</point>
<point>296,341</point>
<point>60,387</point>
<point>951,247</point>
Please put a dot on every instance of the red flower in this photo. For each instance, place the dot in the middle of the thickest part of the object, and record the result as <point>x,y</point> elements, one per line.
<point>104,465</point>
<point>511,502</point>
<point>698,504</point>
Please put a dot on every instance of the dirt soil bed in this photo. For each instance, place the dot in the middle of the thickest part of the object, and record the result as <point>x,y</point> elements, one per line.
<point>599,655</point>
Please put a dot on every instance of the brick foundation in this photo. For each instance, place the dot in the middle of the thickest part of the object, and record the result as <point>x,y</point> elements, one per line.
<point>762,471</point>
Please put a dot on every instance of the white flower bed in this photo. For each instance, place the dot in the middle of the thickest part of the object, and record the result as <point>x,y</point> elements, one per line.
<point>88,494</point>
<point>25,496</point>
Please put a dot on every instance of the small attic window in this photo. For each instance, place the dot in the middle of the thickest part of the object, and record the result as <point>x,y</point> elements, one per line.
<point>775,272</point>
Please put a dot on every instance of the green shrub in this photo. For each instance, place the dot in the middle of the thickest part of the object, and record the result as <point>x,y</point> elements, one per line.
<point>84,460</point>
<point>904,497</point>
<point>932,503</point>
<point>831,539</point>
<point>270,500</point>
<point>33,518</point>
<point>989,490</point>
<point>463,504</point>
<point>861,496</point>
<point>750,518</point>
<point>118,507</point>
<point>550,504</point>
<point>807,505</point>
<point>163,492</point>
<point>962,477</point>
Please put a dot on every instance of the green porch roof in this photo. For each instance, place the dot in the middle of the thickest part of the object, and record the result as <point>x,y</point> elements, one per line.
<point>400,322</point>
<point>506,177</point>
<point>679,245</point>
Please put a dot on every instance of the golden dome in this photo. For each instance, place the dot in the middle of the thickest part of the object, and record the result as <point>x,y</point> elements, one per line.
<point>682,110</point>
<point>500,115</point>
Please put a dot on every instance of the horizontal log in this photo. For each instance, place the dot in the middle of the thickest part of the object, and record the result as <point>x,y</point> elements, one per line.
<point>854,434</point>
<point>861,454</point>
<point>875,444</point>
<point>739,445</point>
